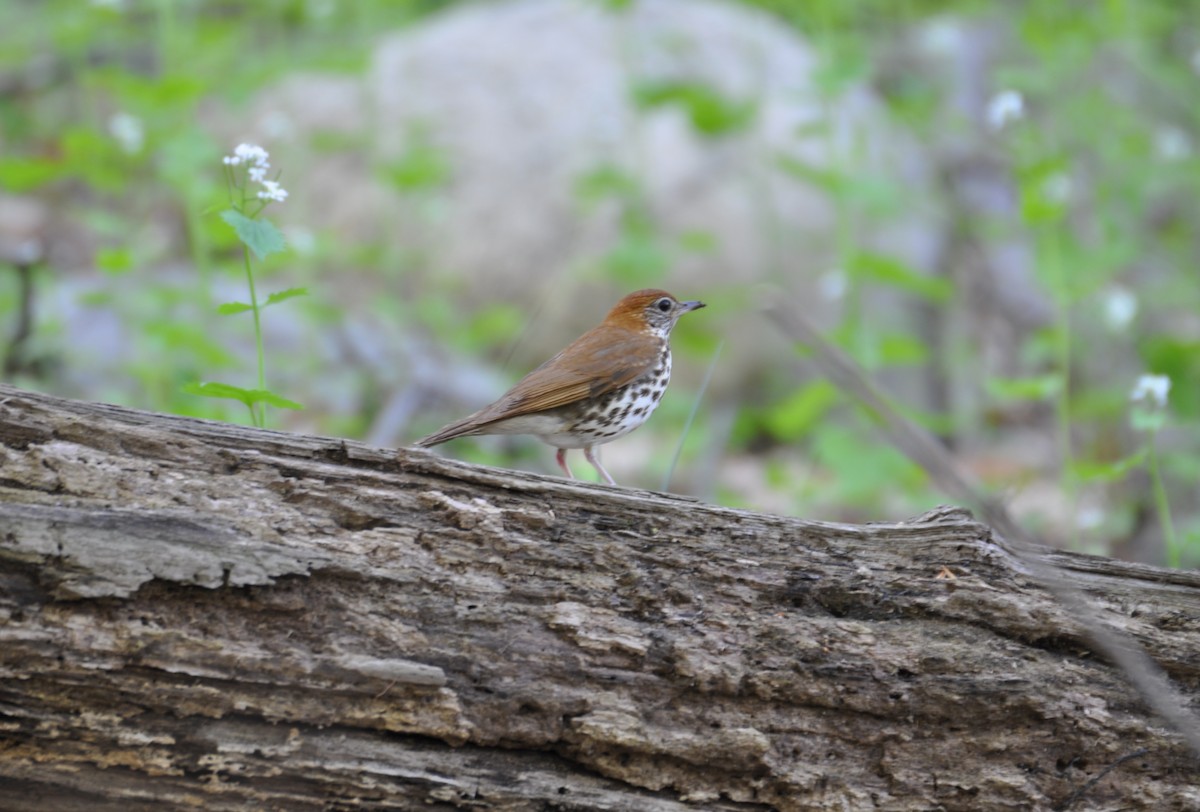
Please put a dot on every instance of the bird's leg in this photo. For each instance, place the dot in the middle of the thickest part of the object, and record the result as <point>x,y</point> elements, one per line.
<point>561,457</point>
<point>595,461</point>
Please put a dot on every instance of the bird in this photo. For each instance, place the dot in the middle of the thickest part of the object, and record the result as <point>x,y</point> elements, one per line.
<point>600,387</point>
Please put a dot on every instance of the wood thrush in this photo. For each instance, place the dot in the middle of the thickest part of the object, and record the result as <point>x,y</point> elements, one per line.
<point>602,386</point>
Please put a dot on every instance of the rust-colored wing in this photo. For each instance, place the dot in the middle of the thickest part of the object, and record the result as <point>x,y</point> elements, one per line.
<point>597,362</point>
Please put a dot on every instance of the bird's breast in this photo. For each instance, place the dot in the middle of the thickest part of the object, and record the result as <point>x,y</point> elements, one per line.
<point>604,418</point>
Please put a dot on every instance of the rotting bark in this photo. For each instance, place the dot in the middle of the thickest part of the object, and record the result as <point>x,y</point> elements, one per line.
<point>203,615</point>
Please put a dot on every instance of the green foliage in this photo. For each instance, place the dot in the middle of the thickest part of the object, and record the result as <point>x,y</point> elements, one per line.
<point>639,255</point>
<point>284,295</point>
<point>496,325</point>
<point>260,236</point>
<point>114,260</point>
<point>25,173</point>
<point>797,415</point>
<point>864,468</point>
<point>604,183</point>
<point>711,114</point>
<point>1177,357</point>
<point>421,167</point>
<point>891,272</point>
<point>1104,176</point>
<point>867,193</point>
<point>1036,387</point>
<point>250,397</point>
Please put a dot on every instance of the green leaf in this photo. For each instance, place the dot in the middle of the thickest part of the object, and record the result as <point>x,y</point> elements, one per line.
<point>828,180</point>
<point>94,157</point>
<point>212,389</point>
<point>114,260</point>
<point>711,113</point>
<point>698,241</point>
<point>1038,387</point>
<point>260,236</point>
<point>24,174</point>
<point>230,308</point>
<point>218,390</point>
<point>1179,358</point>
<point>895,273</point>
<point>870,193</point>
<point>798,414</point>
<point>605,182</point>
<point>494,325</point>
<point>284,295</point>
<point>1107,471</point>
<point>864,468</point>
<point>1147,418</point>
<point>1039,202</point>
<point>272,399</point>
<point>421,167</point>
<point>637,256</point>
<point>898,349</point>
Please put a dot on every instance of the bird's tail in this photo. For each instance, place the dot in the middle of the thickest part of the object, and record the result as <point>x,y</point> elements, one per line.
<point>459,428</point>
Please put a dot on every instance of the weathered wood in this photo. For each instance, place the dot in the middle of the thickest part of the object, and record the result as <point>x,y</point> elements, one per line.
<point>196,614</point>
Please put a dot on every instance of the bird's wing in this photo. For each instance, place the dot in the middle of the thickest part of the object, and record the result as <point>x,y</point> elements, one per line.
<point>594,364</point>
<point>597,362</point>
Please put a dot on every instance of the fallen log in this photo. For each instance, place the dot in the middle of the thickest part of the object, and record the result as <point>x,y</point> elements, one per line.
<point>198,614</point>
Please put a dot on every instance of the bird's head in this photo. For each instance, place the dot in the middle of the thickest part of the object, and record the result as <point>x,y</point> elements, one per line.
<point>650,310</point>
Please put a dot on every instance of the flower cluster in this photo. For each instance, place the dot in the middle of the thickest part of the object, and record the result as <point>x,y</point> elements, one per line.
<point>1151,389</point>
<point>256,159</point>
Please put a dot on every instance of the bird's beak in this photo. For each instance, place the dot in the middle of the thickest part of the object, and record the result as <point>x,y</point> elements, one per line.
<point>688,307</point>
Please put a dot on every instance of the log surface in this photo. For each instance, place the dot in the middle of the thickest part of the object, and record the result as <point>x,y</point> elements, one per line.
<point>203,615</point>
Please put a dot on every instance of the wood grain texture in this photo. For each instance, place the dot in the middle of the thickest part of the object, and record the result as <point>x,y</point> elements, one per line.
<point>203,615</point>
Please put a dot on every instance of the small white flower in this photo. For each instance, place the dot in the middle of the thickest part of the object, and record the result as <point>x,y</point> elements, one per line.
<point>940,37</point>
<point>1172,144</point>
<point>272,191</point>
<point>1151,389</point>
<point>128,131</point>
<point>1057,187</point>
<point>1089,518</point>
<point>1120,306</point>
<point>832,284</point>
<point>257,174</point>
<point>249,154</point>
<point>252,152</point>
<point>1005,106</point>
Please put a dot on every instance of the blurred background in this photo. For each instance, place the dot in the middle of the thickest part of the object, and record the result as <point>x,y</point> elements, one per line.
<point>992,206</point>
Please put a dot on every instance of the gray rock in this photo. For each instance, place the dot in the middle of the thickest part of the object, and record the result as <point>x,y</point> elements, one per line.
<point>519,101</point>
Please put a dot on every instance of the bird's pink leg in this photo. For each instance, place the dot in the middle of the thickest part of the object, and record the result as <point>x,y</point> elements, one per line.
<point>561,456</point>
<point>595,461</point>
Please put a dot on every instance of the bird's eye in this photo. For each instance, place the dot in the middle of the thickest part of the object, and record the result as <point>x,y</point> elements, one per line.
<point>663,304</point>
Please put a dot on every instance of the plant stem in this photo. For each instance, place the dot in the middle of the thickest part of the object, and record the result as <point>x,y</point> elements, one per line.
<point>1163,508</point>
<point>1051,257</point>
<point>712,365</point>
<point>258,416</point>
